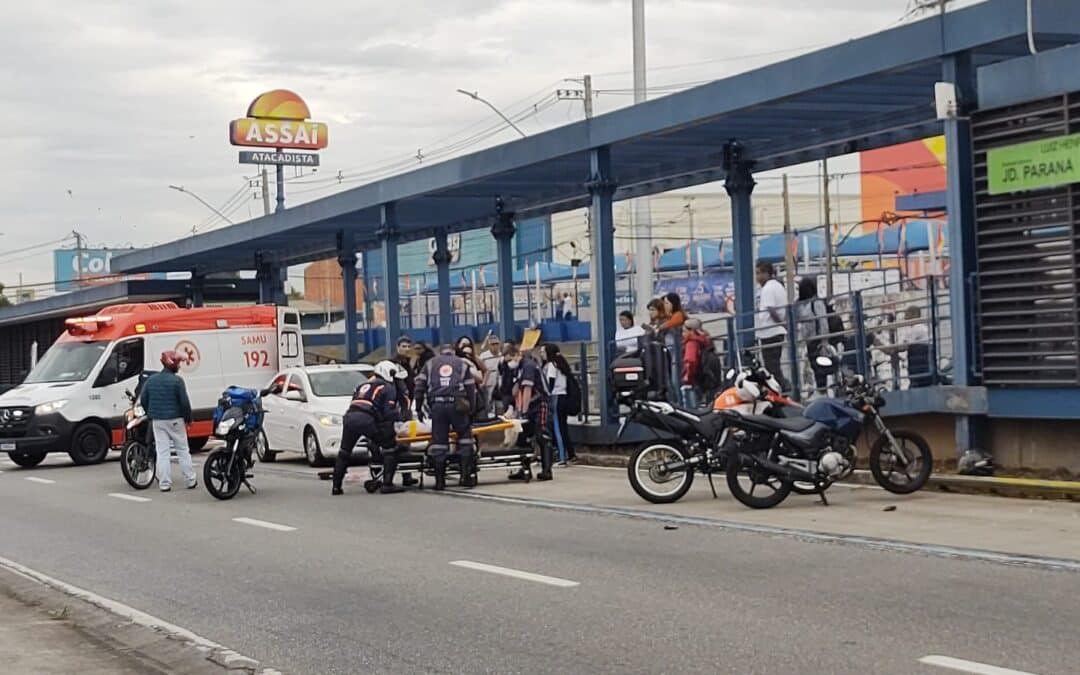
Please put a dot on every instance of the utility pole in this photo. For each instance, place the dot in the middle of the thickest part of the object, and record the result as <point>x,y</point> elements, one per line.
<point>643,267</point>
<point>789,252</point>
<point>78,256</point>
<point>265,192</point>
<point>585,94</point>
<point>280,187</point>
<point>828,230</point>
<point>588,97</point>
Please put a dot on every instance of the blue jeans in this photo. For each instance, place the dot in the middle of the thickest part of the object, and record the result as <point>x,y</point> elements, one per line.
<point>559,427</point>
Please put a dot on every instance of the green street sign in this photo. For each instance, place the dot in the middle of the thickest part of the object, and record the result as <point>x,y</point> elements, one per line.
<point>1038,164</point>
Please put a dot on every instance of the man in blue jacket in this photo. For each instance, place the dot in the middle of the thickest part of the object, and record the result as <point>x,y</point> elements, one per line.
<point>165,399</point>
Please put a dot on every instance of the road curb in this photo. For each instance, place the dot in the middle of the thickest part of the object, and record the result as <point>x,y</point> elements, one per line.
<point>157,645</point>
<point>1001,486</point>
<point>877,543</point>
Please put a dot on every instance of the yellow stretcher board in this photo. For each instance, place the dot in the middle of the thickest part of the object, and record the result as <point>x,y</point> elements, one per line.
<point>413,434</point>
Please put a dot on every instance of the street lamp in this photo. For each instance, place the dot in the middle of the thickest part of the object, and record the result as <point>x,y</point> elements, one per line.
<point>180,188</point>
<point>477,97</point>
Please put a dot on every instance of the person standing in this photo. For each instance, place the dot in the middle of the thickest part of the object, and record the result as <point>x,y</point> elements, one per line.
<point>813,328</point>
<point>449,386</point>
<point>695,343</point>
<point>627,335</point>
<point>165,399</point>
<point>407,361</point>
<point>490,358</point>
<point>508,373</point>
<point>557,375</point>
<point>371,415</point>
<point>769,321</point>
<point>532,404</point>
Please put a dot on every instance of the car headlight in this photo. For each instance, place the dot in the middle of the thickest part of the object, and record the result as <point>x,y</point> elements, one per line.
<point>328,420</point>
<point>225,426</point>
<point>50,407</point>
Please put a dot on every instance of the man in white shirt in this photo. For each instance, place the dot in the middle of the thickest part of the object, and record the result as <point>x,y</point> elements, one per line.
<point>770,321</point>
<point>627,334</point>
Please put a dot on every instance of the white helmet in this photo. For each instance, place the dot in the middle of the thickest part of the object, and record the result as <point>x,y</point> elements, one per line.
<point>747,389</point>
<point>389,371</point>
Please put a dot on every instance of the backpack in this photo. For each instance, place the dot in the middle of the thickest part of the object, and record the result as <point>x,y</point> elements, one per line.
<point>573,396</point>
<point>710,374</point>
<point>836,324</point>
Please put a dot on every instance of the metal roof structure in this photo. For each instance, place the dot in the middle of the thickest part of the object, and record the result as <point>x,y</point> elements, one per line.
<point>866,93</point>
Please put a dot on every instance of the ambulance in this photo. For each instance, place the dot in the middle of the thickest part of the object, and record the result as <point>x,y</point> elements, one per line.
<point>74,400</point>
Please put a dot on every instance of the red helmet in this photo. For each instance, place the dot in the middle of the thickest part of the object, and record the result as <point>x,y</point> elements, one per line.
<point>171,360</point>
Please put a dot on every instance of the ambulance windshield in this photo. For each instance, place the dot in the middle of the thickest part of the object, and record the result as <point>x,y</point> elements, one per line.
<point>67,362</point>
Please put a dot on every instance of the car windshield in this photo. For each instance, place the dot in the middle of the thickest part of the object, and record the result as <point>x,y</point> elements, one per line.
<point>67,362</point>
<point>336,383</point>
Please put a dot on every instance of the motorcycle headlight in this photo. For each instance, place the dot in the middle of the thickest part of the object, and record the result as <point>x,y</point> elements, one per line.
<point>225,426</point>
<point>50,407</point>
<point>139,412</point>
<point>328,420</point>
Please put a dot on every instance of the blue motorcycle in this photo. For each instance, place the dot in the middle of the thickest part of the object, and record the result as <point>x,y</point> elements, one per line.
<point>771,455</point>
<point>238,421</point>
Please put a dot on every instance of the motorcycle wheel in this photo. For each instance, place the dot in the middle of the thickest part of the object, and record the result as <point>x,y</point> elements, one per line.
<point>650,481</point>
<point>890,474</point>
<point>221,481</point>
<point>753,486</point>
<point>138,463</point>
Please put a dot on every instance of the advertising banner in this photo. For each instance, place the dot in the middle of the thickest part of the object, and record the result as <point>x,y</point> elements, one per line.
<point>73,269</point>
<point>711,293</point>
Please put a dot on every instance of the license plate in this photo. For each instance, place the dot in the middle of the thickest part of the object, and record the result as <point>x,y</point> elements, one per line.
<point>7,446</point>
<point>631,377</point>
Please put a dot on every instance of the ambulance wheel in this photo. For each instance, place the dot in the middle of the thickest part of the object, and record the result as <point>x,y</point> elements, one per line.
<point>89,444</point>
<point>372,485</point>
<point>198,444</point>
<point>27,460</point>
<point>262,449</point>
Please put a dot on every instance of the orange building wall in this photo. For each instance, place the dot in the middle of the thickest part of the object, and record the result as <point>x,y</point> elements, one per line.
<point>322,284</point>
<point>902,169</point>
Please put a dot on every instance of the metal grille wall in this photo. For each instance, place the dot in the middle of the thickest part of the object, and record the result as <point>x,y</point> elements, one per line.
<point>15,342</point>
<point>1027,265</point>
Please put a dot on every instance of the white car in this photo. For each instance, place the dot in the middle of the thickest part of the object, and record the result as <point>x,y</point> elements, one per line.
<point>305,407</point>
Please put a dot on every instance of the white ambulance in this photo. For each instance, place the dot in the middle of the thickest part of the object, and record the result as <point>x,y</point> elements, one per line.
<point>73,400</point>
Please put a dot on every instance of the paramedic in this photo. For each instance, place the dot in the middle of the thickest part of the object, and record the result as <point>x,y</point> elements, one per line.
<point>165,399</point>
<point>371,415</point>
<point>532,404</point>
<point>448,383</point>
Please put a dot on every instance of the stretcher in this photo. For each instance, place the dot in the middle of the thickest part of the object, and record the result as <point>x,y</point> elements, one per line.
<point>413,439</point>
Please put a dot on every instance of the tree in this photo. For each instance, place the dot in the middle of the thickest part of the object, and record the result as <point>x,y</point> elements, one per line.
<point>295,294</point>
<point>4,302</point>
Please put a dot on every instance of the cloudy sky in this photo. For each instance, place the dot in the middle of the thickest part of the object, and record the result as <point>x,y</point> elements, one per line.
<point>107,103</point>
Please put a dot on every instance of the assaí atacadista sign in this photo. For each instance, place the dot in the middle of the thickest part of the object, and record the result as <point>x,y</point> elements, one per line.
<point>1038,164</point>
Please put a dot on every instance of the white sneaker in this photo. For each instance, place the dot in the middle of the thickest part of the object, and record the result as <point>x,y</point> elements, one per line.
<point>192,484</point>
<point>166,488</point>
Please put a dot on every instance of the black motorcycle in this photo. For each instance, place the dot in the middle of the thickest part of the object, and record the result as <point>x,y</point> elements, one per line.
<point>818,449</point>
<point>138,457</point>
<point>238,421</point>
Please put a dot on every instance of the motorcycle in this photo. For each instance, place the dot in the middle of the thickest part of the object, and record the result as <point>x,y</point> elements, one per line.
<point>818,448</point>
<point>238,421</point>
<point>662,471</point>
<point>138,457</point>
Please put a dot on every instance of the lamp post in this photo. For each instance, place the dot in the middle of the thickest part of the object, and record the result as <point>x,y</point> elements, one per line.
<point>180,188</point>
<point>477,97</point>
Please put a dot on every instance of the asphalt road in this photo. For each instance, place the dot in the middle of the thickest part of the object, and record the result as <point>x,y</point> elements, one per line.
<point>364,583</point>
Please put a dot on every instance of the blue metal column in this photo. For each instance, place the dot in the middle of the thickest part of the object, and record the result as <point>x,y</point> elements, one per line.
<point>271,283</point>
<point>442,264</point>
<point>960,208</point>
<point>346,249</point>
<point>388,233</point>
<point>198,288</point>
<point>503,231</point>
<point>739,185</point>
<point>601,186</point>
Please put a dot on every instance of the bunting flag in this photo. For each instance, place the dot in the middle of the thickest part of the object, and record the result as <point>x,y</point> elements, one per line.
<point>629,262</point>
<point>720,251</point>
<point>795,250</point>
<point>689,255</point>
<point>464,279</point>
<point>881,237</point>
<point>940,243</point>
<point>901,249</point>
<point>483,284</point>
<point>656,257</point>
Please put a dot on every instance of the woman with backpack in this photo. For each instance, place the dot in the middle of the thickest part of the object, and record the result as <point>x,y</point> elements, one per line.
<point>560,380</point>
<point>696,347</point>
<point>813,325</point>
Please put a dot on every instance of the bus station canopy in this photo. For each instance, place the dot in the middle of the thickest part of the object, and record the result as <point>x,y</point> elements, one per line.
<point>862,94</point>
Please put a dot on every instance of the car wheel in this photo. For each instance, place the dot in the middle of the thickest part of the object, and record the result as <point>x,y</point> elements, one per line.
<point>312,451</point>
<point>89,444</point>
<point>27,460</point>
<point>262,449</point>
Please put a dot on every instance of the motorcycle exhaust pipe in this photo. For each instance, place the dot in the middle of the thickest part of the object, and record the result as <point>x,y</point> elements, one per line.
<point>671,467</point>
<point>785,471</point>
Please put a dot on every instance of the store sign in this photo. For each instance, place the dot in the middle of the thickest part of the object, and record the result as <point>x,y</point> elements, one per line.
<point>283,158</point>
<point>453,243</point>
<point>73,268</point>
<point>278,119</point>
<point>1031,166</point>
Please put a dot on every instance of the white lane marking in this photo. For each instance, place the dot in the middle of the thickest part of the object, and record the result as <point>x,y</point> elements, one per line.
<point>230,657</point>
<point>43,481</point>
<point>963,666</point>
<point>130,498</point>
<point>517,574</point>
<point>263,523</point>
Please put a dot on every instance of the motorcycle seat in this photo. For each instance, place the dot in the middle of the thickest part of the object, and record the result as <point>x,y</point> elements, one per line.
<point>795,424</point>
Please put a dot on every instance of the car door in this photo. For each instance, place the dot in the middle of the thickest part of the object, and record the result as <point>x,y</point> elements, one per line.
<point>297,410</point>
<point>274,405</point>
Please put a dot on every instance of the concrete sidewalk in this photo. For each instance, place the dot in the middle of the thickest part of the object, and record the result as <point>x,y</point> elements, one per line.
<point>1013,526</point>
